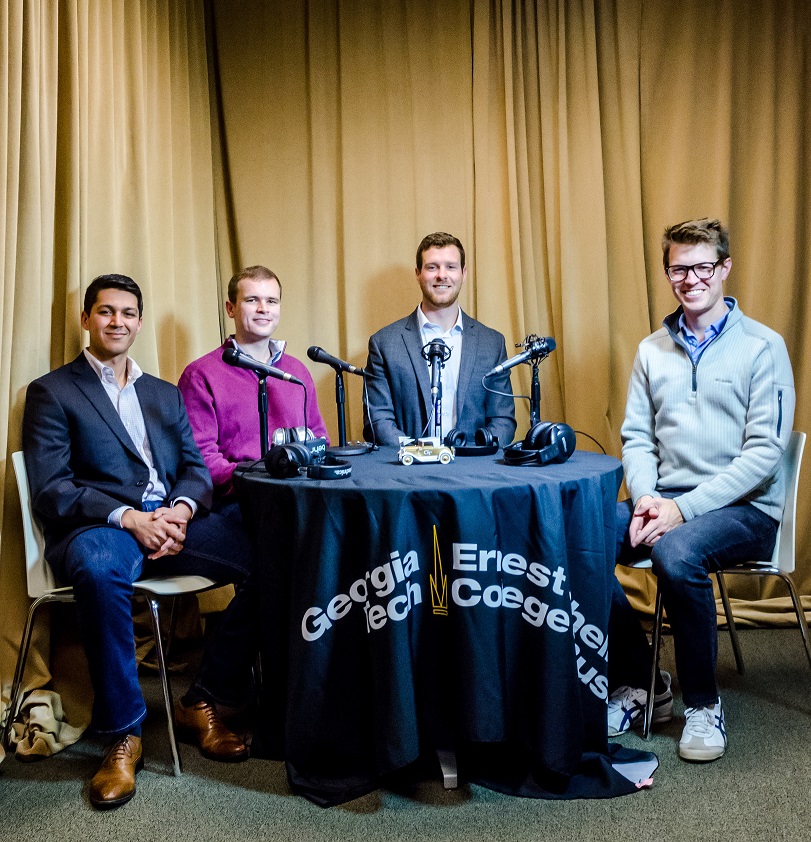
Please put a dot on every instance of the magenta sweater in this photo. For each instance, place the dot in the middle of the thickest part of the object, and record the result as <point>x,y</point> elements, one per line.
<point>223,410</point>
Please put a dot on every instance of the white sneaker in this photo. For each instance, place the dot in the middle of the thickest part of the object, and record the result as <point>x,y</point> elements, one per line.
<point>626,707</point>
<point>704,736</point>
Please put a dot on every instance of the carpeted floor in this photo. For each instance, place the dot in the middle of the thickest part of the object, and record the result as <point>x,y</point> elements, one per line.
<point>757,791</point>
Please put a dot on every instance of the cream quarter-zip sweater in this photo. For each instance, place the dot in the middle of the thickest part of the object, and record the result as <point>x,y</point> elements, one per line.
<point>716,430</point>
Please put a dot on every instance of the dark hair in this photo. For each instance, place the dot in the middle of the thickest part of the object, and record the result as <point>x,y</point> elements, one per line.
<point>112,282</point>
<point>253,273</point>
<point>696,232</point>
<point>439,240</point>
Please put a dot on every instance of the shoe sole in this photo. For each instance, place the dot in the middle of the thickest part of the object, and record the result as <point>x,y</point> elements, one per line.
<point>698,755</point>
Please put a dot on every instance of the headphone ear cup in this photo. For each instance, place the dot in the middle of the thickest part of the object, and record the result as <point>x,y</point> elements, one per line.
<point>568,439</point>
<point>561,443</point>
<point>288,435</point>
<point>484,438</point>
<point>456,438</point>
<point>538,436</point>
<point>283,461</point>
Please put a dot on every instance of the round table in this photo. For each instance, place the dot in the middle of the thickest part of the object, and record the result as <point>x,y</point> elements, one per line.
<point>420,607</point>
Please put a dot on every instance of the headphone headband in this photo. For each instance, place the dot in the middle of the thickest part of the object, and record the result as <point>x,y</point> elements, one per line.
<point>330,468</point>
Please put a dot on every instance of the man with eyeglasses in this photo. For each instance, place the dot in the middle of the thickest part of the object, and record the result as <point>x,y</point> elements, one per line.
<point>709,413</point>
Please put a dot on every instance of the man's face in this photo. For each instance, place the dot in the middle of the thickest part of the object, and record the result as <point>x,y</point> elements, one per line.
<point>702,300</point>
<point>256,311</point>
<point>441,276</point>
<point>113,323</point>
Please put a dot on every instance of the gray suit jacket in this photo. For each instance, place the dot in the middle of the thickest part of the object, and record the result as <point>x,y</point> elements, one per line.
<point>399,384</point>
<point>82,463</point>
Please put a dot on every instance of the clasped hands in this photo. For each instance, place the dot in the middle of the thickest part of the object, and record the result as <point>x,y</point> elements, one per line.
<point>652,518</point>
<point>162,531</point>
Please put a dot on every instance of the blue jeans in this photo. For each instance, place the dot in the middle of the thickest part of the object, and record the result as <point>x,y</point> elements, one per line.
<point>682,561</point>
<point>102,563</point>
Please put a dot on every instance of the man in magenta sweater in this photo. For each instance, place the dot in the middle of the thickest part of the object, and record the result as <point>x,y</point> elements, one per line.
<point>221,400</point>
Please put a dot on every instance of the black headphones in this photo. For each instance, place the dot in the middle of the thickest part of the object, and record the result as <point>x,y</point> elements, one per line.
<point>544,443</point>
<point>287,435</point>
<point>486,444</point>
<point>286,461</point>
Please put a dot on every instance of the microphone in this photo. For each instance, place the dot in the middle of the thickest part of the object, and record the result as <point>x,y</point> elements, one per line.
<point>539,348</point>
<point>437,353</point>
<point>319,355</point>
<point>239,359</point>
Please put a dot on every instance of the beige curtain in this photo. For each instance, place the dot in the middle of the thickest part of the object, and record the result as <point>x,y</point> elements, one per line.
<point>105,166</point>
<point>179,141</point>
<point>557,140</point>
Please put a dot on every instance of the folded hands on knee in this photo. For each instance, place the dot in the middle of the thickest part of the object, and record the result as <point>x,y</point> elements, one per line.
<point>652,518</point>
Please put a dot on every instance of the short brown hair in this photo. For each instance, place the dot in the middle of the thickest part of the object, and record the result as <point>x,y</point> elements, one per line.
<point>252,273</point>
<point>695,232</point>
<point>439,240</point>
<point>122,282</point>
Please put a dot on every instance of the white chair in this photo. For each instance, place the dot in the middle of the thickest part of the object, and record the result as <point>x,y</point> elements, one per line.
<point>42,589</point>
<point>781,564</point>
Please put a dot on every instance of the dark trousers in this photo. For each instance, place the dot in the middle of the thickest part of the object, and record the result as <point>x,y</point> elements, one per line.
<point>102,563</point>
<point>682,561</point>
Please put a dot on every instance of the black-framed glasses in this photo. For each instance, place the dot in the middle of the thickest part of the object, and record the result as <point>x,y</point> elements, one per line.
<point>702,271</point>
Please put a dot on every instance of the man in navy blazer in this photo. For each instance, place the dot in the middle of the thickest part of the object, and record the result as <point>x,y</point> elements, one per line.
<point>121,491</point>
<point>400,401</point>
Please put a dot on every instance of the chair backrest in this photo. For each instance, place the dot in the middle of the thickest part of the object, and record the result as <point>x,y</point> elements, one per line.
<point>38,572</point>
<point>783,555</point>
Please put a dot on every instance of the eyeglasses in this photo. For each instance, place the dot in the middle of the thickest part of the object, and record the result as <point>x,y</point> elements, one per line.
<point>702,271</point>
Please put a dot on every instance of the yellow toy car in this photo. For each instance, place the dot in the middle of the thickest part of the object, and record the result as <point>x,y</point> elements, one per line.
<point>426,450</point>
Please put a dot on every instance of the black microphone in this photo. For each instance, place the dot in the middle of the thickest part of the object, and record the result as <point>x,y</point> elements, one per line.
<point>239,359</point>
<point>437,353</point>
<point>540,348</point>
<point>319,355</point>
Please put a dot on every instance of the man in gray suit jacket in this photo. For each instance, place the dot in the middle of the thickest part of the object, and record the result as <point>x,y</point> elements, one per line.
<point>121,491</point>
<point>399,383</point>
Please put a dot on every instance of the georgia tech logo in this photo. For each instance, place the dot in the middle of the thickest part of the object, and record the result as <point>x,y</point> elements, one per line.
<point>439,582</point>
<point>378,593</point>
<point>480,578</point>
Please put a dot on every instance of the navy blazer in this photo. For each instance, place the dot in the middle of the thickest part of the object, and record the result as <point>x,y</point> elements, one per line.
<point>82,463</point>
<point>398,384</point>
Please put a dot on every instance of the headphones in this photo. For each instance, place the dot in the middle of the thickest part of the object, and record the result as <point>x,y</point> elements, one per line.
<point>544,443</point>
<point>287,435</point>
<point>290,460</point>
<point>486,444</point>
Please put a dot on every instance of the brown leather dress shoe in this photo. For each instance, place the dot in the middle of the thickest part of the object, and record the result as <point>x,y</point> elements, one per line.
<point>201,725</point>
<point>114,783</point>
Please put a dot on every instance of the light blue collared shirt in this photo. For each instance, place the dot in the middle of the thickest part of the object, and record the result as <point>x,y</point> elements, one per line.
<point>695,347</point>
<point>450,373</point>
<point>128,408</point>
<point>276,347</point>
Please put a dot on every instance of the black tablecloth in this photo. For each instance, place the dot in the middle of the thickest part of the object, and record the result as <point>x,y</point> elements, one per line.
<point>465,606</point>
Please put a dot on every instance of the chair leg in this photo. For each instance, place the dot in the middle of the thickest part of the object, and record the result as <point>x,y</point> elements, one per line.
<point>16,684</point>
<point>66,595</point>
<point>170,636</point>
<point>733,631</point>
<point>798,610</point>
<point>167,691</point>
<point>657,641</point>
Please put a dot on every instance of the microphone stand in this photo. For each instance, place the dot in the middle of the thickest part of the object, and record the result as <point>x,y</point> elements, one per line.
<point>438,404</point>
<point>340,400</point>
<point>535,394</point>
<point>263,415</point>
<point>354,448</point>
